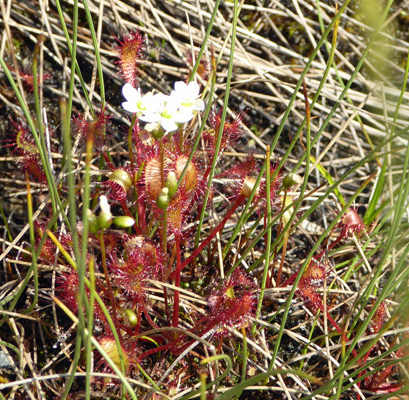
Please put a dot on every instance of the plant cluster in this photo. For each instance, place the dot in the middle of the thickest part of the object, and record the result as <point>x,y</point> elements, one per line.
<point>168,225</point>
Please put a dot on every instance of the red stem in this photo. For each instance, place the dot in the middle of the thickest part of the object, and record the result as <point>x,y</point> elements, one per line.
<point>139,320</point>
<point>337,240</point>
<point>110,165</point>
<point>175,320</point>
<point>219,227</point>
<point>145,311</point>
<point>141,215</point>
<point>154,350</point>
<point>179,350</point>
<point>336,326</point>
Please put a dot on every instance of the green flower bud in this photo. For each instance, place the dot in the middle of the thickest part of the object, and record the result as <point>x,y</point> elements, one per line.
<point>92,222</point>
<point>132,318</point>
<point>155,129</point>
<point>163,199</point>
<point>105,216</point>
<point>171,183</point>
<point>290,180</point>
<point>124,221</point>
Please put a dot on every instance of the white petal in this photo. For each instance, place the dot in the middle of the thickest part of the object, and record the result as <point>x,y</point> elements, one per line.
<point>198,105</point>
<point>186,109</point>
<point>150,117</point>
<point>130,106</point>
<point>182,117</point>
<point>172,106</point>
<point>130,93</point>
<point>193,90</point>
<point>155,103</point>
<point>168,125</point>
<point>103,204</point>
<point>180,87</point>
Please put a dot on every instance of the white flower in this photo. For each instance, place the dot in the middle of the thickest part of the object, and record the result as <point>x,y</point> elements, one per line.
<point>167,113</point>
<point>188,96</point>
<point>136,103</point>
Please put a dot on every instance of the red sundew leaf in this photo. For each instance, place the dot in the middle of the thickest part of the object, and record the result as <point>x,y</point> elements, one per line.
<point>95,130</point>
<point>351,223</point>
<point>130,50</point>
<point>232,131</point>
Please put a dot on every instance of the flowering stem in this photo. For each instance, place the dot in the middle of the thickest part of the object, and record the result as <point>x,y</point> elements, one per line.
<point>130,150</point>
<point>162,163</point>
<point>285,242</point>
<point>175,320</point>
<point>165,232</point>
<point>108,281</point>
<point>238,201</point>
<point>170,263</point>
<point>267,238</point>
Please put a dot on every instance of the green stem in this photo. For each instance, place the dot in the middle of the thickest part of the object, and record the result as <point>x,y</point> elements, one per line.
<point>72,207</point>
<point>223,119</point>
<point>32,244</point>
<point>205,40</point>
<point>107,278</point>
<point>90,320</point>
<point>197,251</point>
<point>268,242</point>
<point>175,320</point>
<point>96,52</point>
<point>77,68</point>
<point>165,232</point>
<point>130,148</point>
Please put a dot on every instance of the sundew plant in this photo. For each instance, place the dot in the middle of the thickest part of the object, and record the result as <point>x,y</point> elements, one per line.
<point>204,200</point>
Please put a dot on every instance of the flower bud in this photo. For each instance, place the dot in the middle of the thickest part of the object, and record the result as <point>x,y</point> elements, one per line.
<point>124,221</point>
<point>163,199</point>
<point>105,216</point>
<point>92,222</point>
<point>171,183</point>
<point>122,178</point>
<point>145,137</point>
<point>132,318</point>
<point>290,180</point>
<point>155,129</point>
